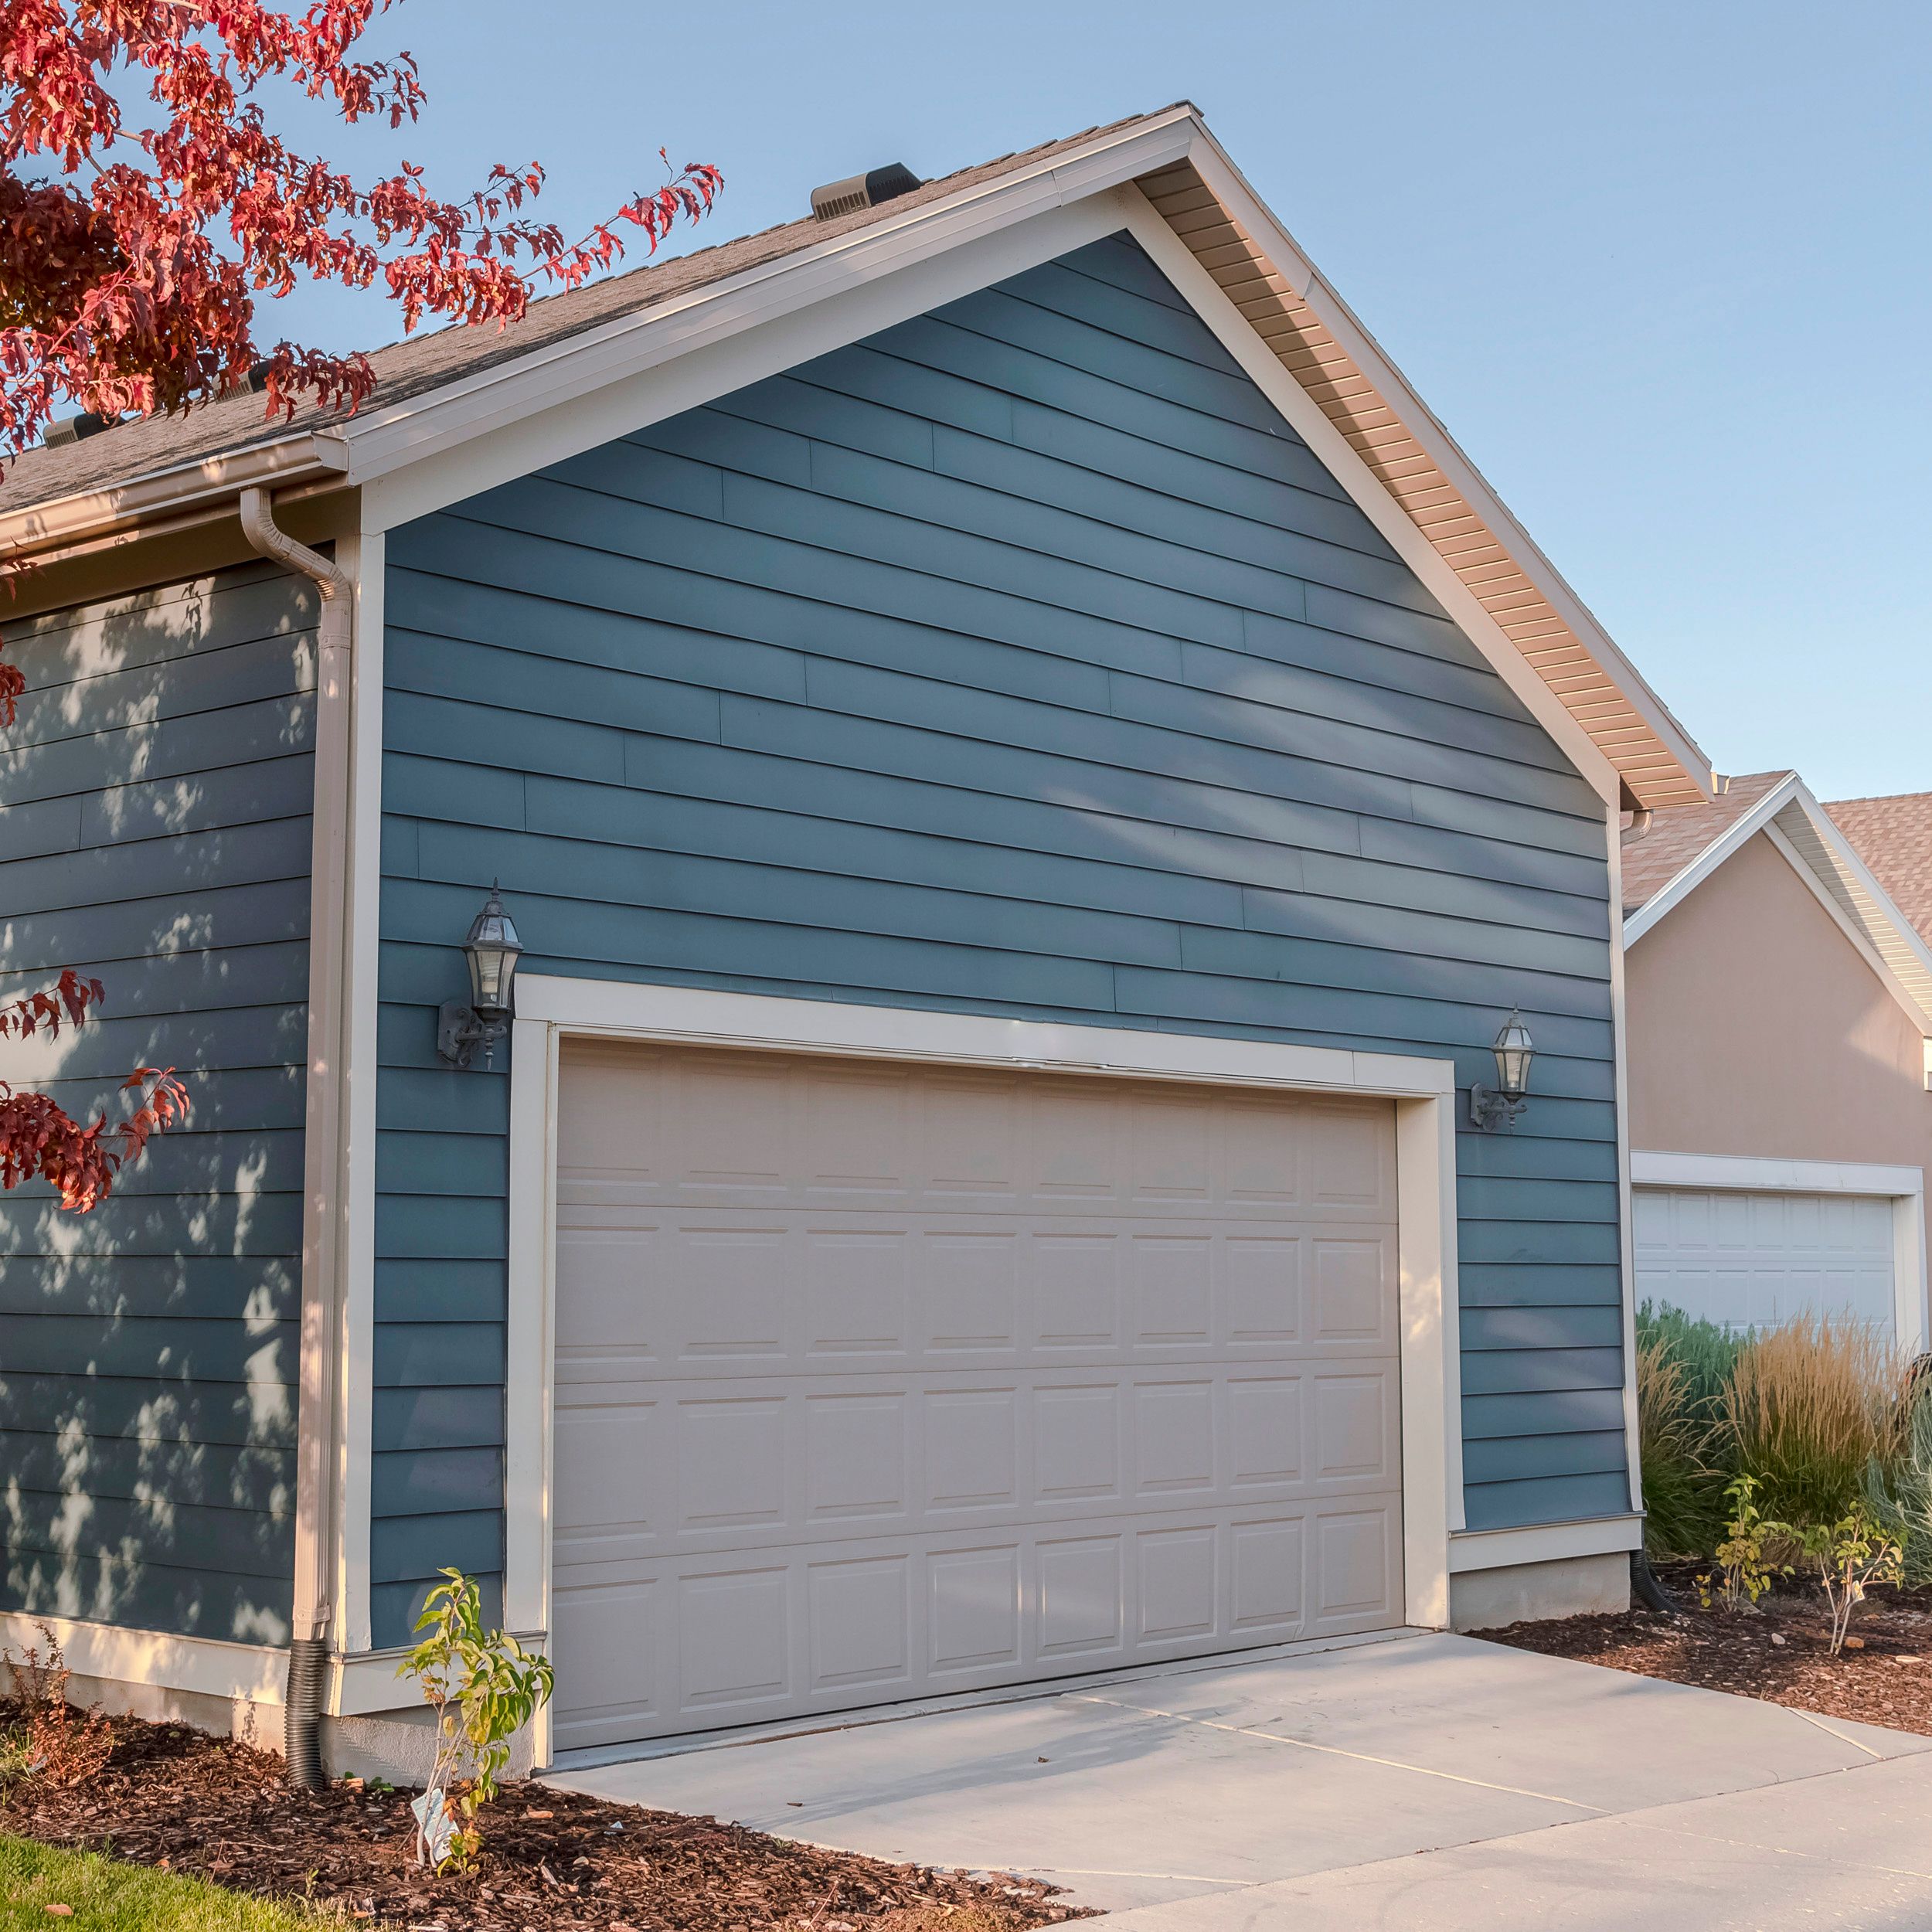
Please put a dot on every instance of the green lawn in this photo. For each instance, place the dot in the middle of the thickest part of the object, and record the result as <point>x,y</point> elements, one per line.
<point>108,1896</point>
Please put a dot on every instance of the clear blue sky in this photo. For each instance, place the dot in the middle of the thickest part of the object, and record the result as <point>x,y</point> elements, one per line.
<point>1662,269</point>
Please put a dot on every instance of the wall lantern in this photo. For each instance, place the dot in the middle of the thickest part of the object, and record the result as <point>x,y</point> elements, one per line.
<point>493,950</point>
<point>1491,1108</point>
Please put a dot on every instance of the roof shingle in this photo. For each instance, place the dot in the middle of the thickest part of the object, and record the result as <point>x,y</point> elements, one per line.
<point>1679,833</point>
<point>1894,836</point>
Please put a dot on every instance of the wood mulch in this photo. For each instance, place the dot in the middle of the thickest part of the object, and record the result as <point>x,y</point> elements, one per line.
<point>173,1797</point>
<point>1780,1652</point>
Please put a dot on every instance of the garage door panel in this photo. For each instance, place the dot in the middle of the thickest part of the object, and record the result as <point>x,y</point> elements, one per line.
<point>741,1637</point>
<point>744,1293</point>
<point>647,1127</point>
<point>954,1380</point>
<point>752,1465</point>
<point>1755,1258</point>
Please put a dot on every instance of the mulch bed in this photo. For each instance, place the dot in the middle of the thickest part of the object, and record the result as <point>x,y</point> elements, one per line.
<point>173,1797</point>
<point>1780,1652</point>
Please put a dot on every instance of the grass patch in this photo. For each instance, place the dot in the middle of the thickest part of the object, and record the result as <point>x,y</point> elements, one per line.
<point>104,1895</point>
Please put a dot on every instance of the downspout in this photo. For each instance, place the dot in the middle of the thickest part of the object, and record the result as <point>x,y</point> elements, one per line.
<point>314,1614</point>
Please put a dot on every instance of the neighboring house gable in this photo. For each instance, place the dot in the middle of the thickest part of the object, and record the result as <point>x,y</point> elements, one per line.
<point>1758,1027</point>
<point>1780,1022</point>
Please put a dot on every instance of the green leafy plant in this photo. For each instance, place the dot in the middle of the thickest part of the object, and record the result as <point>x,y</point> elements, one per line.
<point>484,1687</point>
<point>1849,1554</point>
<point>1744,1554</point>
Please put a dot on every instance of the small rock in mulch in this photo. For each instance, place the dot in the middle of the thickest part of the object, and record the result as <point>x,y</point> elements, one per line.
<point>173,1797</point>
<point>1779,1652</point>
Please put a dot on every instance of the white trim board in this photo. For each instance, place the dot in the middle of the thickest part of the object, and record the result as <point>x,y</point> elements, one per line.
<point>1904,1186</point>
<point>207,1666</point>
<point>1476,1549</point>
<point>550,1009</point>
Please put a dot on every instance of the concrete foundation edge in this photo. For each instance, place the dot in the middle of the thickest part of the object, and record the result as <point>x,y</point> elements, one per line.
<point>1533,1593</point>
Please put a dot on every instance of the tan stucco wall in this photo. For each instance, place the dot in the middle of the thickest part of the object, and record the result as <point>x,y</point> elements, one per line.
<point>1756,1028</point>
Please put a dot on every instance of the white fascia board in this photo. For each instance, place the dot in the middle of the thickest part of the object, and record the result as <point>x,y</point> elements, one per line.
<point>593,362</point>
<point>688,368</point>
<point>1732,838</point>
<point>1845,854</point>
<point>1343,461</point>
<point>1853,930</point>
<point>1212,161</point>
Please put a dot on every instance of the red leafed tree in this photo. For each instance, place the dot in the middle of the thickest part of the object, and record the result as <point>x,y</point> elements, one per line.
<point>133,249</point>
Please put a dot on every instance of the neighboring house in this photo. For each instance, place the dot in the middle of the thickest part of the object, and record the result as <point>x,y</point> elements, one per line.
<point>1031,772</point>
<point>1781,1016</point>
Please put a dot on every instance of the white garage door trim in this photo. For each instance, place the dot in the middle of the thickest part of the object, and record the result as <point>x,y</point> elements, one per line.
<point>1904,1186</point>
<point>1423,1091</point>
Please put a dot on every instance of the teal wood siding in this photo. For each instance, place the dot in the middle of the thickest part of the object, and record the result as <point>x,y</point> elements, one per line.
<point>1019,660</point>
<point>156,834</point>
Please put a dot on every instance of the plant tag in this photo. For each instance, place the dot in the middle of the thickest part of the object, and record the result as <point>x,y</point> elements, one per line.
<point>437,1827</point>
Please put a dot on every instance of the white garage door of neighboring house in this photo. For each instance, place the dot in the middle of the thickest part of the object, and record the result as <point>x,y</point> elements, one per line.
<point>1752,1257</point>
<point>875,1381</point>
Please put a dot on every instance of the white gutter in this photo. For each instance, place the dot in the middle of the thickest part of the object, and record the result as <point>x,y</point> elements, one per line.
<point>309,456</point>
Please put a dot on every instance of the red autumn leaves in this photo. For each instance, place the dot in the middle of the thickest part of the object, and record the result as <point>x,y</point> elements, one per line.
<point>133,245</point>
<point>38,1139</point>
<point>130,256</point>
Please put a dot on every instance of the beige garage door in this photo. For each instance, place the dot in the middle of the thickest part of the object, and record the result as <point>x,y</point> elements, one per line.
<point>876,1381</point>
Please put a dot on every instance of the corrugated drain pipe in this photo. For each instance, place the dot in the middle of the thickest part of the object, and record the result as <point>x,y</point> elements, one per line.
<point>308,1650</point>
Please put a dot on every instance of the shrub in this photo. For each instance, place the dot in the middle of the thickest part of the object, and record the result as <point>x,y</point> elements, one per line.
<point>484,1687</point>
<point>1707,1351</point>
<point>1809,1407</point>
<point>1749,1536</point>
<point>1848,1555</point>
<point>62,1745</point>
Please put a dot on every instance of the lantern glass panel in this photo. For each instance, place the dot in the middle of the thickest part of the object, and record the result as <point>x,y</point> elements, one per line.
<point>1514,1052</point>
<point>493,951</point>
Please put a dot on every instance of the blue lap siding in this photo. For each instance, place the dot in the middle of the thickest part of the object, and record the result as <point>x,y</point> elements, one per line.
<point>156,788</point>
<point>1019,660</point>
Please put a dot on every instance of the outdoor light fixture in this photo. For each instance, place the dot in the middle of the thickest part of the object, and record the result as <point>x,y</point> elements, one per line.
<point>493,950</point>
<point>1490,1108</point>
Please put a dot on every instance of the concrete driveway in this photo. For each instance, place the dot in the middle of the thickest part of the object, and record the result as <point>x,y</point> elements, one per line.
<point>1421,1781</point>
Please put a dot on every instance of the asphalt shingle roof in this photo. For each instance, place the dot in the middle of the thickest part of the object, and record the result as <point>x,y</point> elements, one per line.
<point>423,362</point>
<point>1894,836</point>
<point>1678,833</point>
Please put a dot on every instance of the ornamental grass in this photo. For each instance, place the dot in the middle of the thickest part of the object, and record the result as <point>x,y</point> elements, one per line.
<point>1810,1407</point>
<point>1683,1489</point>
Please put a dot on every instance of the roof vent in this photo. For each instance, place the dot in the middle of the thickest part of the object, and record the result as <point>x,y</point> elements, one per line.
<point>856,192</point>
<point>71,429</point>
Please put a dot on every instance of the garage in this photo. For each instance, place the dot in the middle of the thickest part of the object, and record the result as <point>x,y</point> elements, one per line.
<point>1753,1258</point>
<point>875,1381</point>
